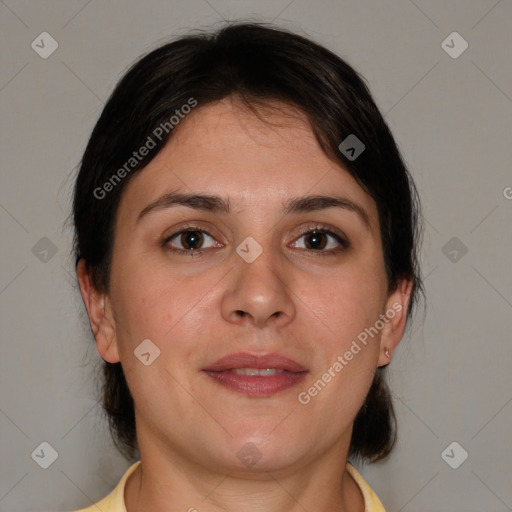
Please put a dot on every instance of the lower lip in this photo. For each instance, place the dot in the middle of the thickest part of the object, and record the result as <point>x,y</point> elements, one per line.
<point>257,385</point>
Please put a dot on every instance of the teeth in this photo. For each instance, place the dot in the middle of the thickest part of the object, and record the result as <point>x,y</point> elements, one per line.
<point>255,371</point>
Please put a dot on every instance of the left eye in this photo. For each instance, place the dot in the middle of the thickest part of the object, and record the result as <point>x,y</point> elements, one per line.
<point>319,240</point>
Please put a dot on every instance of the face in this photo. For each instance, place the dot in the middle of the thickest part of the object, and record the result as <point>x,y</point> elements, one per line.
<point>254,272</point>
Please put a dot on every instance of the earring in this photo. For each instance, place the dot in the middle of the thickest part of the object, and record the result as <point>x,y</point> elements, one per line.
<point>387,353</point>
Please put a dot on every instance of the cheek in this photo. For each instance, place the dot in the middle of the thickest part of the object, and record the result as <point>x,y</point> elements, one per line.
<point>145,305</point>
<point>345,303</point>
<point>163,306</point>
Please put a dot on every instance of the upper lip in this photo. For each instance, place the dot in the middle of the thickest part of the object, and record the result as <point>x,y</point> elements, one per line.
<point>260,362</point>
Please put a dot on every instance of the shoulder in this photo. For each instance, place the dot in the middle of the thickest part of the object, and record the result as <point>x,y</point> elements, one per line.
<point>114,502</point>
<point>371,500</point>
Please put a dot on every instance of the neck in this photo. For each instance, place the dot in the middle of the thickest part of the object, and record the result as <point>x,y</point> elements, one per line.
<point>166,482</point>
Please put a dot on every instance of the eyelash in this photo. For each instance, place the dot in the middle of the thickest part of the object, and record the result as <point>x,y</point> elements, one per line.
<point>316,229</point>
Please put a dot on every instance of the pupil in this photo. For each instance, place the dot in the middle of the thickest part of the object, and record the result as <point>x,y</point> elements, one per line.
<point>190,238</point>
<point>314,241</point>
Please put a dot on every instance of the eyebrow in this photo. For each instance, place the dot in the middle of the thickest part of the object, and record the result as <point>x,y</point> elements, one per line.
<point>216,204</point>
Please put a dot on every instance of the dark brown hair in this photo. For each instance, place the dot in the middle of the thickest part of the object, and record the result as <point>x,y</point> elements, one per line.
<point>256,63</point>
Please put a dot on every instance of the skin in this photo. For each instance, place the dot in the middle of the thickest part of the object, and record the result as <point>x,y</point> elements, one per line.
<point>296,302</point>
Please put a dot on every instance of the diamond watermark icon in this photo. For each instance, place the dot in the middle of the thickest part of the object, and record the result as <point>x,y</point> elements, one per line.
<point>44,45</point>
<point>44,250</point>
<point>249,454</point>
<point>146,352</point>
<point>454,455</point>
<point>45,455</point>
<point>454,249</point>
<point>249,249</point>
<point>454,45</point>
<point>351,147</point>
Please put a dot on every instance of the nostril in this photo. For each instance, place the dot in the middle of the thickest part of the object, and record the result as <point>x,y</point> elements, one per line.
<point>240,313</point>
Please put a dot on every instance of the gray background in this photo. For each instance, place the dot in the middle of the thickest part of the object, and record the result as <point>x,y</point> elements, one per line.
<point>452,118</point>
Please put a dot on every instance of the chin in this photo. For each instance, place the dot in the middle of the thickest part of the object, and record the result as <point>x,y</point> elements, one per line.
<point>264,453</point>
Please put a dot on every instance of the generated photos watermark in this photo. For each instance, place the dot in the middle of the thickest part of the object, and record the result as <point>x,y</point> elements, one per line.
<point>158,134</point>
<point>305,397</point>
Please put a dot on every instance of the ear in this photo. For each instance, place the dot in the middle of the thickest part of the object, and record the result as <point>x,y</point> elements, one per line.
<point>395,320</point>
<point>100,315</point>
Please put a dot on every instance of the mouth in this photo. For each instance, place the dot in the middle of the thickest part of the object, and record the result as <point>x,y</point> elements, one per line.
<point>256,375</point>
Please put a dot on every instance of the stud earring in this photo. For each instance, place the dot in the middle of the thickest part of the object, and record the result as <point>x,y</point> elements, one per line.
<point>387,353</point>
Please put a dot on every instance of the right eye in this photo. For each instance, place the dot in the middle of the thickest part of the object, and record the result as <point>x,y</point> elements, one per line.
<point>190,240</point>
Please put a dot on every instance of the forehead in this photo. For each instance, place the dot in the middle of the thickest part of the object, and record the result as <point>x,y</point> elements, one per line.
<point>257,159</point>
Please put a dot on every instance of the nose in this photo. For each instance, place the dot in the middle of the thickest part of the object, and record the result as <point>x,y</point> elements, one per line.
<point>258,293</point>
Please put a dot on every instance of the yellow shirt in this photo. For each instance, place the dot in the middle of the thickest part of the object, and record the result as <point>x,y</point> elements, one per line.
<point>114,502</point>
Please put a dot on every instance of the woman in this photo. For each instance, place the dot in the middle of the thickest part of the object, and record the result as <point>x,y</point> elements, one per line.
<point>246,240</point>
